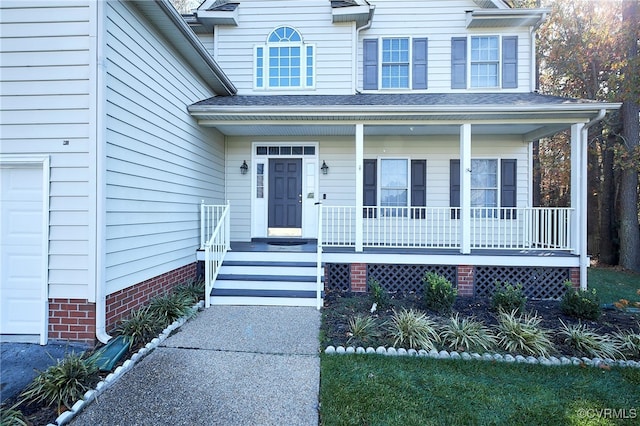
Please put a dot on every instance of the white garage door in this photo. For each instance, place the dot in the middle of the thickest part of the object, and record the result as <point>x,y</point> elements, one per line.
<point>22,275</point>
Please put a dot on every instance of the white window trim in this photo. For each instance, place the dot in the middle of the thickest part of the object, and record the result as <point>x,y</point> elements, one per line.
<point>379,181</point>
<point>469,61</point>
<point>381,63</point>
<point>265,64</point>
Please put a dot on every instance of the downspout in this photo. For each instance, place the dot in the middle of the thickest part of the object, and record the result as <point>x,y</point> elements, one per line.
<point>101,297</point>
<point>357,38</point>
<point>584,259</point>
<point>534,69</point>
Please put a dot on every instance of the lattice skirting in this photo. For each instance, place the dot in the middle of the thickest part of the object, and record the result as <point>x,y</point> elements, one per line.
<point>337,277</point>
<point>538,283</point>
<point>407,278</point>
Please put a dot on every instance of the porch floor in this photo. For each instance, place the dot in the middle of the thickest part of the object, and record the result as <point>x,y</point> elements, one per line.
<point>309,246</point>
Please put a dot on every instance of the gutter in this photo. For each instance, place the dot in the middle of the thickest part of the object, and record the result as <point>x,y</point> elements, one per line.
<point>584,258</point>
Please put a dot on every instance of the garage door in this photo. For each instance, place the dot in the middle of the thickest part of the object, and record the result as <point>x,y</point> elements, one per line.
<point>22,303</point>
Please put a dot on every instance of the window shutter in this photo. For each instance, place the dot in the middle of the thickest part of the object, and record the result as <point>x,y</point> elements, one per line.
<point>370,181</point>
<point>420,54</point>
<point>418,187</point>
<point>370,64</point>
<point>508,188</point>
<point>510,62</point>
<point>454,187</point>
<point>459,63</point>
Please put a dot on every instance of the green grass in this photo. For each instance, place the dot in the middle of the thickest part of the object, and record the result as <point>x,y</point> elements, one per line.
<point>612,285</point>
<point>378,390</point>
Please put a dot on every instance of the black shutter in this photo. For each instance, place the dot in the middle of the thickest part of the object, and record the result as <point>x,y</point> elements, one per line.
<point>508,188</point>
<point>510,62</point>
<point>370,192</point>
<point>370,64</point>
<point>418,188</point>
<point>459,63</point>
<point>454,188</point>
<point>420,54</point>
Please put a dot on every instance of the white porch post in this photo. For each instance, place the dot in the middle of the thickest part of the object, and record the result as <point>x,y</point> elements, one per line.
<point>579,198</point>
<point>465,188</point>
<point>359,184</point>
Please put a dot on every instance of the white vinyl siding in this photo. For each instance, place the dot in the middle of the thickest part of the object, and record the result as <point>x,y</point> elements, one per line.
<point>333,56</point>
<point>160,164</point>
<point>439,22</point>
<point>48,109</point>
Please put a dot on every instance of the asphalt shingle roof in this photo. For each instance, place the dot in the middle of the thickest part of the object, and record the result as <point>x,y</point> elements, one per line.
<point>374,99</point>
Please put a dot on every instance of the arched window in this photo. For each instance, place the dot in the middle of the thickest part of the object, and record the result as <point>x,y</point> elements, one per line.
<point>285,61</point>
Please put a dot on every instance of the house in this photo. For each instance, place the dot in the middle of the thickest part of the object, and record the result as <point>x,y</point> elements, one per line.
<point>302,145</point>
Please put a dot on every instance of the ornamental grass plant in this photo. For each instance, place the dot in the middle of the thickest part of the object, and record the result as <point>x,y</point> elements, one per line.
<point>522,334</point>
<point>413,329</point>
<point>466,334</point>
<point>363,330</point>
<point>62,384</point>
<point>589,343</point>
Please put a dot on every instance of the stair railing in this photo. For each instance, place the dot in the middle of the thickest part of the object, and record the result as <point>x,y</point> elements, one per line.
<point>319,280</point>
<point>215,249</point>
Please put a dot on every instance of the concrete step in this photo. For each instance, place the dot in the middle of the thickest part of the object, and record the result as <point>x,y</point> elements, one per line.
<point>263,301</point>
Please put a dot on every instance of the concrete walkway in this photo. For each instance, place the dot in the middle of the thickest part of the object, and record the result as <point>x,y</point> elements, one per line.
<point>231,365</point>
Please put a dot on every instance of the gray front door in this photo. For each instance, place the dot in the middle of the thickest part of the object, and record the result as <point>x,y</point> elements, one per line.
<point>285,197</point>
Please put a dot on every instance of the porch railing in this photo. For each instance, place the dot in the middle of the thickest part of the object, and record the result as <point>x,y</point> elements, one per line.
<point>216,245</point>
<point>319,282</point>
<point>210,216</point>
<point>440,227</point>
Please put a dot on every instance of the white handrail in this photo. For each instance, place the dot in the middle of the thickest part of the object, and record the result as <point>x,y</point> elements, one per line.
<point>215,250</point>
<point>319,281</point>
<point>508,228</point>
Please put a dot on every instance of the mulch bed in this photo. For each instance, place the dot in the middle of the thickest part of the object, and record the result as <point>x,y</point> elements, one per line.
<point>340,307</point>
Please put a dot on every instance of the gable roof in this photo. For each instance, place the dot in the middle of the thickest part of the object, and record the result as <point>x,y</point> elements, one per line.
<point>170,24</point>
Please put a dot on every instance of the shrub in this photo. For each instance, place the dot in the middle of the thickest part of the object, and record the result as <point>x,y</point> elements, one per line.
<point>192,290</point>
<point>363,329</point>
<point>378,295</point>
<point>588,342</point>
<point>169,307</point>
<point>507,297</point>
<point>439,293</point>
<point>522,334</point>
<point>140,327</point>
<point>465,334</point>
<point>628,342</point>
<point>413,329</point>
<point>63,383</point>
<point>580,304</point>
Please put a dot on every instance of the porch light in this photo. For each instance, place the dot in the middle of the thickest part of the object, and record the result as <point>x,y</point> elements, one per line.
<point>244,168</point>
<point>324,168</point>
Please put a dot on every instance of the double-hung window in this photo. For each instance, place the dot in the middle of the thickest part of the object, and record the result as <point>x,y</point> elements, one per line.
<point>395,63</point>
<point>485,59</point>
<point>493,184</point>
<point>394,181</point>
<point>490,61</point>
<point>285,61</point>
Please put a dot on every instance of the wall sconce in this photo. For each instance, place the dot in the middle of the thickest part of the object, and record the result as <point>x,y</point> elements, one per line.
<point>244,168</point>
<point>324,168</point>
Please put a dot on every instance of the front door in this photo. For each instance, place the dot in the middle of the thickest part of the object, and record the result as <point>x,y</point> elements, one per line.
<point>285,197</point>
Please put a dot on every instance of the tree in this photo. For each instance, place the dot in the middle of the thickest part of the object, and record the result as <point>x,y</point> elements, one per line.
<point>589,50</point>
<point>630,163</point>
<point>185,6</point>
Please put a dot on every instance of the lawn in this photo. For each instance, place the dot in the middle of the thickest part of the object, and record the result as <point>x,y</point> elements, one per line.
<point>379,390</point>
<point>612,284</point>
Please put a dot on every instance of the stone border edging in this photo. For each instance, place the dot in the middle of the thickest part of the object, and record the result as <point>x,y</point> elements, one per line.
<point>495,357</point>
<point>111,378</point>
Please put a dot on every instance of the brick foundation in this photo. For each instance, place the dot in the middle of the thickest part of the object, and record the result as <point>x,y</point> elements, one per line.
<point>465,280</point>
<point>72,319</point>
<point>121,303</point>
<point>575,278</point>
<point>359,277</point>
